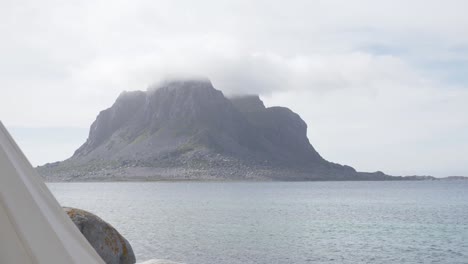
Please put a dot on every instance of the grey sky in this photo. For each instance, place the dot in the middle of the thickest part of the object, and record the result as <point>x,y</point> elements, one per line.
<point>382,84</point>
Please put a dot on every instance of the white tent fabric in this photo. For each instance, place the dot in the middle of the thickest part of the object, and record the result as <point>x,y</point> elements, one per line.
<point>33,226</point>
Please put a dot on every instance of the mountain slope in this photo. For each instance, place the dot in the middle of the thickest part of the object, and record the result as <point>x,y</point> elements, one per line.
<point>190,130</point>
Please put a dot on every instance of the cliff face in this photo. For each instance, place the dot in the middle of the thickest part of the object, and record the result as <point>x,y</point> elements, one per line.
<point>190,130</point>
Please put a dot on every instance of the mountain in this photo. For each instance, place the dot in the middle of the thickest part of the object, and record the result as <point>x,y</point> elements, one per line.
<point>186,129</point>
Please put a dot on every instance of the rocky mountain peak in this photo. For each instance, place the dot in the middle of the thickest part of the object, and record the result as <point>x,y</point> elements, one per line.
<point>191,130</point>
<point>248,103</point>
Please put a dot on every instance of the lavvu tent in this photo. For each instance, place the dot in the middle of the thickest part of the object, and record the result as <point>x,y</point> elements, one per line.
<point>33,226</point>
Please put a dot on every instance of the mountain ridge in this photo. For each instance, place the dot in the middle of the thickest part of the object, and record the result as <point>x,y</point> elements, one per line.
<point>188,130</point>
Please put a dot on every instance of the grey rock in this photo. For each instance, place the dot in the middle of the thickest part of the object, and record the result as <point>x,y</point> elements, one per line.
<point>108,243</point>
<point>247,103</point>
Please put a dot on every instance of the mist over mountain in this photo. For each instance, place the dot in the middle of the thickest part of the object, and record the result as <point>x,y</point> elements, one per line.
<point>188,130</point>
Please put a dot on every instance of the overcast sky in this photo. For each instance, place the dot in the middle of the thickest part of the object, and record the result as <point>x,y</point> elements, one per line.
<point>383,85</point>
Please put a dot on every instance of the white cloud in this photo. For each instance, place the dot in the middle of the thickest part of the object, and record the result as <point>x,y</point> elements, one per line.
<point>350,68</point>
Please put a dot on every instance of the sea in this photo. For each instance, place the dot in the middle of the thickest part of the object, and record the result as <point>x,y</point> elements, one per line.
<point>283,222</point>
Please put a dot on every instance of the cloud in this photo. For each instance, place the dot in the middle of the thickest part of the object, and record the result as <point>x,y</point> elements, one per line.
<point>385,73</point>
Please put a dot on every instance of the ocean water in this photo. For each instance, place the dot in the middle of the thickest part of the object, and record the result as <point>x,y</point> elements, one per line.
<point>283,222</point>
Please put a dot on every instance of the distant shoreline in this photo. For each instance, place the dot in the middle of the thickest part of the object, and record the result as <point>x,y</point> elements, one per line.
<point>459,178</point>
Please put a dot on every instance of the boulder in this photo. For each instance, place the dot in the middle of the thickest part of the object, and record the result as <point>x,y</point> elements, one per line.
<point>108,243</point>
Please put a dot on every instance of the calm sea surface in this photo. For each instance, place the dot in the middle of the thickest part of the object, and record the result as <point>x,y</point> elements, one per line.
<point>282,222</point>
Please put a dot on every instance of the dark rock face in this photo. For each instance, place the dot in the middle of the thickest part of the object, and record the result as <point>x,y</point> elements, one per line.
<point>190,130</point>
<point>111,120</point>
<point>248,103</point>
<point>108,243</point>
